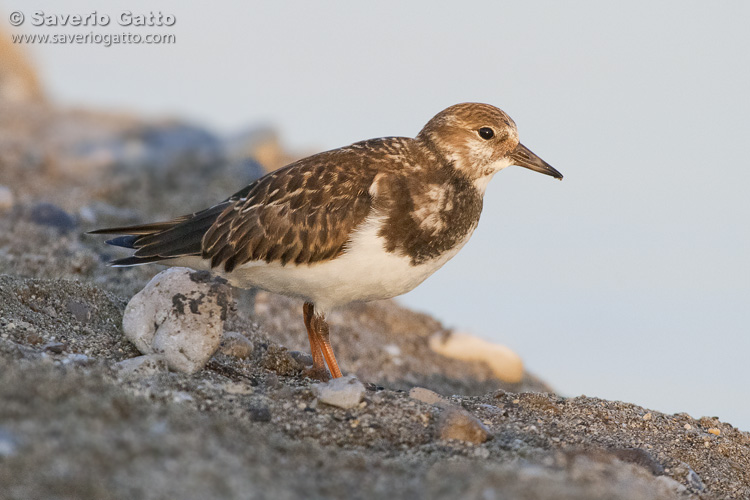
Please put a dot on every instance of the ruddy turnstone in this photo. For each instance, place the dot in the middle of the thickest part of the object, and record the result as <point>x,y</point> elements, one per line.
<point>364,222</point>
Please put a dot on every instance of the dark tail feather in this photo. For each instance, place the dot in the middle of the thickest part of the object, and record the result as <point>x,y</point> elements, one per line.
<point>180,237</point>
<point>141,229</point>
<point>123,241</point>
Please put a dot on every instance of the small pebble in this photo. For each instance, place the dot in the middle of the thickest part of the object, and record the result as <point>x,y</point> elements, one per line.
<point>55,347</point>
<point>647,417</point>
<point>687,427</point>
<point>345,392</point>
<point>457,423</point>
<point>236,345</point>
<point>302,358</point>
<point>425,395</point>
<point>259,414</point>
<point>272,381</point>
<point>714,431</point>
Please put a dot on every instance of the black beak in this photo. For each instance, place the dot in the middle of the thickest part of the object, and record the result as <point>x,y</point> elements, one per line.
<point>523,157</point>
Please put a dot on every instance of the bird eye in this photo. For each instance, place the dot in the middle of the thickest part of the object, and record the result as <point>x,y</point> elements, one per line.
<point>486,133</point>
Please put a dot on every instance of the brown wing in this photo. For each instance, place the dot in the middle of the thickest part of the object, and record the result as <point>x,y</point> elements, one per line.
<point>303,213</point>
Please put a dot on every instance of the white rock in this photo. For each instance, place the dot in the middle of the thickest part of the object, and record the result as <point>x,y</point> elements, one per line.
<point>504,363</point>
<point>7,200</point>
<point>344,392</point>
<point>179,314</point>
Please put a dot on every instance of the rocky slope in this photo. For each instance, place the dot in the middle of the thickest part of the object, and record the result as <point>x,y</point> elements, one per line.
<point>77,420</point>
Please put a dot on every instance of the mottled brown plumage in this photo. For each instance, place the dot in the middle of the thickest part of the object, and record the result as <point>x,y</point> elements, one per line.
<point>367,221</point>
<point>427,212</point>
<point>301,214</point>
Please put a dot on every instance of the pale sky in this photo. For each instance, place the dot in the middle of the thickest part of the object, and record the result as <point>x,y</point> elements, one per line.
<point>629,280</point>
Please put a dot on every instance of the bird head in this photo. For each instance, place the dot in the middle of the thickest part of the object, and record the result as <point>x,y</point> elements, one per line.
<point>479,140</point>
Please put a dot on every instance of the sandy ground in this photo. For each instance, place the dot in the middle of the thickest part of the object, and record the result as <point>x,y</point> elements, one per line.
<point>73,425</point>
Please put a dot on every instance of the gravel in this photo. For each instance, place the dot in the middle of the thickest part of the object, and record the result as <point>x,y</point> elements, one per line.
<point>85,416</point>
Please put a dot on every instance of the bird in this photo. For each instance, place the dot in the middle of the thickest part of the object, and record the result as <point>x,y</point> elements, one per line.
<point>364,222</point>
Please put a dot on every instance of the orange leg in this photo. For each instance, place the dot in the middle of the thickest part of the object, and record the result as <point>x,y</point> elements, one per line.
<point>318,370</point>
<point>321,328</point>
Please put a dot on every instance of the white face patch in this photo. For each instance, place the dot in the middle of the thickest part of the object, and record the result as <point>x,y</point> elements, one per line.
<point>498,165</point>
<point>481,182</point>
